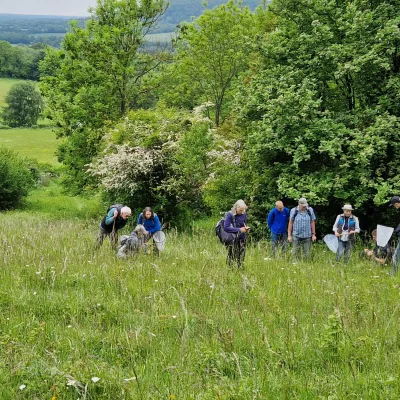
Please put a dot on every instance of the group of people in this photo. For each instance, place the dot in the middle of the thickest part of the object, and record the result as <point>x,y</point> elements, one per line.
<point>116,218</point>
<point>297,226</point>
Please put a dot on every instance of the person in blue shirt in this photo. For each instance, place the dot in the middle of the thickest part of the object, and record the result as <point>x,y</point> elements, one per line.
<point>151,223</point>
<point>278,219</point>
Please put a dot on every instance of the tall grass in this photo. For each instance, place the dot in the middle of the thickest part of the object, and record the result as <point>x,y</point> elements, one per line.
<point>185,326</point>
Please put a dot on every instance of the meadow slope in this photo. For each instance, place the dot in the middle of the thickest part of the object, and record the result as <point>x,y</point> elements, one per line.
<point>184,326</point>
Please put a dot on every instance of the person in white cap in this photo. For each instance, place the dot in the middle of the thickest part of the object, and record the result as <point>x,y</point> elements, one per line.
<point>301,229</point>
<point>346,227</point>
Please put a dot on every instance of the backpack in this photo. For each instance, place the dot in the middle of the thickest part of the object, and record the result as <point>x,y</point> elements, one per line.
<point>297,211</point>
<point>117,206</point>
<point>224,237</point>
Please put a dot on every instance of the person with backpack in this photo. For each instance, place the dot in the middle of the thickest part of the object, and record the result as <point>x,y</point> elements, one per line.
<point>346,227</point>
<point>116,218</point>
<point>301,229</point>
<point>277,221</point>
<point>151,223</point>
<point>235,225</point>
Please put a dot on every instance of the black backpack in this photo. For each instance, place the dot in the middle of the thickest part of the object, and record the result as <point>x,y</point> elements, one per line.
<point>117,206</point>
<point>224,237</point>
<point>296,211</point>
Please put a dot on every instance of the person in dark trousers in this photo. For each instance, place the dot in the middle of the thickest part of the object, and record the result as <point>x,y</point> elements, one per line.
<point>151,223</point>
<point>116,219</point>
<point>301,229</point>
<point>395,202</point>
<point>346,227</point>
<point>380,254</point>
<point>277,221</point>
<point>235,222</point>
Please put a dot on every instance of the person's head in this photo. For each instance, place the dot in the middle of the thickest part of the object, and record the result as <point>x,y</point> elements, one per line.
<point>373,234</point>
<point>140,230</point>
<point>347,209</point>
<point>125,212</point>
<point>303,203</point>
<point>395,201</point>
<point>148,213</point>
<point>279,206</point>
<point>239,207</point>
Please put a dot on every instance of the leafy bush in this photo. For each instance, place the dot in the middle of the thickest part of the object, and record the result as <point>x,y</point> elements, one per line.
<point>17,177</point>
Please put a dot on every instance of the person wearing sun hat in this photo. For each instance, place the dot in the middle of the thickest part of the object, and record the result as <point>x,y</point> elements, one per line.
<point>395,202</point>
<point>346,227</point>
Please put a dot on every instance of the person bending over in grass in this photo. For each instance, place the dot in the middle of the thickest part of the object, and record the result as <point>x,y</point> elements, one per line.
<point>131,245</point>
<point>379,254</point>
<point>151,223</point>
<point>116,218</point>
<point>235,223</point>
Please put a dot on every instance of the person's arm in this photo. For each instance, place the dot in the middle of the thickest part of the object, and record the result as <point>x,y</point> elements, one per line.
<point>140,219</point>
<point>290,226</point>
<point>228,224</point>
<point>313,233</point>
<point>335,228</point>
<point>271,217</point>
<point>157,225</point>
<point>357,227</point>
<point>111,216</point>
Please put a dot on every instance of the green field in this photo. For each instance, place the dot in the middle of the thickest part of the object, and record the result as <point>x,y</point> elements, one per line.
<point>184,326</point>
<point>5,86</point>
<point>40,144</point>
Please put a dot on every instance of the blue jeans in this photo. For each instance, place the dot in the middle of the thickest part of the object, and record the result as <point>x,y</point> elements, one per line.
<point>344,248</point>
<point>396,260</point>
<point>298,243</point>
<point>278,239</point>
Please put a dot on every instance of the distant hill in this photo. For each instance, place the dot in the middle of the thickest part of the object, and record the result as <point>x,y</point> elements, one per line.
<point>29,29</point>
<point>184,10</point>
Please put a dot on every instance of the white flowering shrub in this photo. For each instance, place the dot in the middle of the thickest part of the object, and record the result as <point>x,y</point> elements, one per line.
<point>158,158</point>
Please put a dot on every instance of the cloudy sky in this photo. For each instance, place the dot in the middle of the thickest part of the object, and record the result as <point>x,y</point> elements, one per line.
<point>46,7</point>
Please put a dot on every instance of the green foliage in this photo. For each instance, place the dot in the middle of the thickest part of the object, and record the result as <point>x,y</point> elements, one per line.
<point>20,61</point>
<point>158,158</point>
<point>319,108</point>
<point>212,51</point>
<point>17,177</point>
<point>96,77</point>
<point>24,105</point>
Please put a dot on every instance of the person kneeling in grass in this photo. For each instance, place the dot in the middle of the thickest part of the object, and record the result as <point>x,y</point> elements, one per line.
<point>379,254</point>
<point>130,245</point>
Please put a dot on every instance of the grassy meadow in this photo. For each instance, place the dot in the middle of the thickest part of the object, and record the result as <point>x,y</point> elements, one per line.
<point>79,323</point>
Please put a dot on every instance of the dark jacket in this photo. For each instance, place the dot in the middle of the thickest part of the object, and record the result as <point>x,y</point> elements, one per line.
<point>233,223</point>
<point>113,224</point>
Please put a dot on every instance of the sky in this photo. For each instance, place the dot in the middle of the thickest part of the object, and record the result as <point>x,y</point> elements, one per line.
<point>47,7</point>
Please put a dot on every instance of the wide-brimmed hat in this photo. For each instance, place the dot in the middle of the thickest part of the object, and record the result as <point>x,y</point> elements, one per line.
<point>347,207</point>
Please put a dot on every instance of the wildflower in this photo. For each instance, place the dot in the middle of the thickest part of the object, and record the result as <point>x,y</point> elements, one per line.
<point>174,316</point>
<point>22,387</point>
<point>95,379</point>
<point>38,272</point>
<point>172,397</point>
<point>34,293</point>
<point>69,326</point>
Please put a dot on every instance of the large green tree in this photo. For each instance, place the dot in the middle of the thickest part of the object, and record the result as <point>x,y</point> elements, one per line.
<point>320,103</point>
<point>97,75</point>
<point>212,52</point>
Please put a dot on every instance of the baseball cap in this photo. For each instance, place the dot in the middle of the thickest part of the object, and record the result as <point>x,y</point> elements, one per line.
<point>303,201</point>
<point>395,199</point>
